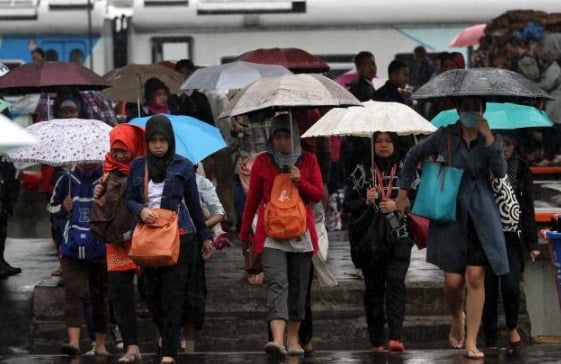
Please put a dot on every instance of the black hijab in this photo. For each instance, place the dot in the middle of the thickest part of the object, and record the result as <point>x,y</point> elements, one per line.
<point>157,166</point>
<point>385,164</point>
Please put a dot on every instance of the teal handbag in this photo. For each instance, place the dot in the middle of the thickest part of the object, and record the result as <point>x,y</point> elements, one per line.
<point>438,190</point>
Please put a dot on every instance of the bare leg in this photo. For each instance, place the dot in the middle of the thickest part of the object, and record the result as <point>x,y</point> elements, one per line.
<point>277,330</point>
<point>454,290</point>
<point>475,277</point>
<point>100,347</point>
<point>292,336</point>
<point>73,336</point>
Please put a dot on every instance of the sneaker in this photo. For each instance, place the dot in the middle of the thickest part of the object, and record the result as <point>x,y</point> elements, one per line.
<point>117,338</point>
<point>91,352</point>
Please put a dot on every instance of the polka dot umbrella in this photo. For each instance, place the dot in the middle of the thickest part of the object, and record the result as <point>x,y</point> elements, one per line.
<point>65,141</point>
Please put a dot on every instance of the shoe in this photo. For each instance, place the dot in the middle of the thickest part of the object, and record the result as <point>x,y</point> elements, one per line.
<point>308,350</point>
<point>395,346</point>
<point>272,348</point>
<point>377,349</point>
<point>94,352</point>
<point>130,358</point>
<point>117,338</point>
<point>474,354</point>
<point>70,350</point>
<point>296,352</point>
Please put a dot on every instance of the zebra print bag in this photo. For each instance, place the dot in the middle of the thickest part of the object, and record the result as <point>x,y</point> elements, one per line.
<point>509,210</point>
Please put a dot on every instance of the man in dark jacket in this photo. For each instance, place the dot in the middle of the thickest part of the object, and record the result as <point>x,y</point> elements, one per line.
<point>362,88</point>
<point>398,77</point>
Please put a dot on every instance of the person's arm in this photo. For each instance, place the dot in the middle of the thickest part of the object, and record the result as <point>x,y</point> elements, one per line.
<point>254,196</point>
<point>60,192</point>
<point>208,195</point>
<point>310,186</point>
<point>193,203</point>
<point>135,203</point>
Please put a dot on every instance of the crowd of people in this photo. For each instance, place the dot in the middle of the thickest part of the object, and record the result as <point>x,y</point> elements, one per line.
<point>143,173</point>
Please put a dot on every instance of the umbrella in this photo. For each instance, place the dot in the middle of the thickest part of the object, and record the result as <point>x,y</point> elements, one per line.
<point>97,105</point>
<point>295,59</point>
<point>48,76</point>
<point>373,117</point>
<point>65,141</point>
<point>501,116</point>
<point>483,82</point>
<point>194,139</point>
<point>347,78</point>
<point>469,36</point>
<point>128,82</point>
<point>13,136</point>
<point>289,91</point>
<point>231,75</point>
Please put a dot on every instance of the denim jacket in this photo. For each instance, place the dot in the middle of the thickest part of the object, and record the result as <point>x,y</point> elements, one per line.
<point>180,189</point>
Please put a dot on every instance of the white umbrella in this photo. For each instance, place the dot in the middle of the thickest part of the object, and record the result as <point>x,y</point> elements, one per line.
<point>365,121</point>
<point>290,91</point>
<point>13,136</point>
<point>65,141</point>
<point>231,75</point>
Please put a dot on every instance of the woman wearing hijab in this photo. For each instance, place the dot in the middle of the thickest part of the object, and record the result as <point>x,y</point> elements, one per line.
<point>286,263</point>
<point>380,243</point>
<point>127,143</point>
<point>171,185</point>
<point>465,247</point>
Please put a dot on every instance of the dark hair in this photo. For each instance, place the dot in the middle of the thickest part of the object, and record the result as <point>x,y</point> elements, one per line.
<point>395,66</point>
<point>185,63</point>
<point>51,55</point>
<point>39,51</point>
<point>152,85</point>
<point>420,49</point>
<point>361,56</point>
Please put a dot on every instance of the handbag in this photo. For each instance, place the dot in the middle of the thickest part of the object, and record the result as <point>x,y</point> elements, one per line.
<point>156,244</point>
<point>418,227</point>
<point>252,260</point>
<point>438,190</point>
<point>505,197</point>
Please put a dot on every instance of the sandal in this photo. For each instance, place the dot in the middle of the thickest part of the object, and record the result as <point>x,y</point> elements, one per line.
<point>255,279</point>
<point>474,354</point>
<point>130,358</point>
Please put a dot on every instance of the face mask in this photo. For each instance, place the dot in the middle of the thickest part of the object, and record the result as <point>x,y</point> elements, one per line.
<point>469,118</point>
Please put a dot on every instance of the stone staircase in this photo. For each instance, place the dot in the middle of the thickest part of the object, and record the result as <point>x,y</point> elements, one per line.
<point>236,310</point>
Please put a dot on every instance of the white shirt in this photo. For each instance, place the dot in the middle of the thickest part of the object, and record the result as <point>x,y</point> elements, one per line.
<point>155,190</point>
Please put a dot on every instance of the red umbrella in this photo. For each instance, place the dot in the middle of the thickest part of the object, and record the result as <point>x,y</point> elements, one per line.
<point>47,76</point>
<point>295,59</point>
<point>469,36</point>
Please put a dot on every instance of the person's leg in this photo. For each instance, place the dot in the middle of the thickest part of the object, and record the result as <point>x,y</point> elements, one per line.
<point>275,269</point>
<point>298,272</point>
<point>121,285</point>
<point>75,275</point>
<point>374,292</point>
<point>454,291</point>
<point>490,314</point>
<point>239,200</point>
<point>98,279</point>
<point>475,283</point>
<point>9,191</point>
<point>397,267</point>
<point>305,332</point>
<point>195,295</point>
<point>510,289</point>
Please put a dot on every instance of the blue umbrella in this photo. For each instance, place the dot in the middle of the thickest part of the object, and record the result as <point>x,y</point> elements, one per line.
<point>194,139</point>
<point>501,116</point>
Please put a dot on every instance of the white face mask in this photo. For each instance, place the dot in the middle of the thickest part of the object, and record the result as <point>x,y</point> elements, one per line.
<point>468,118</point>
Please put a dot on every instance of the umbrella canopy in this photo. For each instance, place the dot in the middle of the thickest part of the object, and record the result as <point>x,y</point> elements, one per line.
<point>231,75</point>
<point>289,91</point>
<point>501,116</point>
<point>483,82</point>
<point>128,82</point>
<point>373,117</point>
<point>469,36</point>
<point>97,105</point>
<point>194,139</point>
<point>48,76</point>
<point>13,136</point>
<point>65,141</point>
<point>295,59</point>
<point>347,78</point>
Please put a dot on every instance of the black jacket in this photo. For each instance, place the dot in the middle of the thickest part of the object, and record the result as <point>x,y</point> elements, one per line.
<point>362,89</point>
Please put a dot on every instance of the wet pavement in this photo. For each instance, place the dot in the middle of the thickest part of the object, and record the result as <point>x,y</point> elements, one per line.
<point>37,258</point>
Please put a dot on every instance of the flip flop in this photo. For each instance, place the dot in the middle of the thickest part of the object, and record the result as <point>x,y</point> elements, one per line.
<point>70,350</point>
<point>474,354</point>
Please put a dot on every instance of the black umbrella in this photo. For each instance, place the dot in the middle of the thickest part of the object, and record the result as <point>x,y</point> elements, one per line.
<point>485,82</point>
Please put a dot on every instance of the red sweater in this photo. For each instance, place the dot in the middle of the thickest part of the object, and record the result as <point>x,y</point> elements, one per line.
<point>263,173</point>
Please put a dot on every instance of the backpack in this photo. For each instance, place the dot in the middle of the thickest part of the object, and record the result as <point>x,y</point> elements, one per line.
<point>285,214</point>
<point>110,219</point>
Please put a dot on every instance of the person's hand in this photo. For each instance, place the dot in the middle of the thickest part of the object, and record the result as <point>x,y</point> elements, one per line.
<point>482,126</point>
<point>237,124</point>
<point>207,249</point>
<point>402,203</point>
<point>534,254</point>
<point>387,205</point>
<point>295,174</point>
<point>98,191</point>
<point>148,216</point>
<point>371,195</point>
<point>67,203</point>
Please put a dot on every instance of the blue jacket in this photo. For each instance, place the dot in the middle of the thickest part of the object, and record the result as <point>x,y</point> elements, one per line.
<point>180,189</point>
<point>447,242</point>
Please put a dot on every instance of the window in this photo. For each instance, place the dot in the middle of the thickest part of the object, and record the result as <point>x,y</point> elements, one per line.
<point>171,49</point>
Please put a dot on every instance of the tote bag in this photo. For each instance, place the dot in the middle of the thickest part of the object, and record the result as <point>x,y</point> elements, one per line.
<point>438,190</point>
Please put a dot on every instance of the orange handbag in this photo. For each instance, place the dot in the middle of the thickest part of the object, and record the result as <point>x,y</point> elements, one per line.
<point>156,244</point>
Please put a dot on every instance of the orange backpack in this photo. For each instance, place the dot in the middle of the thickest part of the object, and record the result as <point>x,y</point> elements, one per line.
<point>285,214</point>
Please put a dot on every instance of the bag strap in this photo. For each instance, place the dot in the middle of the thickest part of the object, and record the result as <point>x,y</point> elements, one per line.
<point>449,144</point>
<point>146,182</point>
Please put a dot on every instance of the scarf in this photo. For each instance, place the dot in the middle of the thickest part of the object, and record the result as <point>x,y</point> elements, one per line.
<point>157,166</point>
<point>155,109</point>
<point>283,122</point>
<point>125,136</point>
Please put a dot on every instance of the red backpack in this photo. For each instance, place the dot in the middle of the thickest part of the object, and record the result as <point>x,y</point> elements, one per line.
<point>285,214</point>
